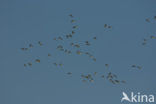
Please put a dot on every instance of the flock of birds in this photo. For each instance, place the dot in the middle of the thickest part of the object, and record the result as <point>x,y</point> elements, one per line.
<point>149,20</point>
<point>77,47</point>
<point>113,78</point>
<point>145,40</point>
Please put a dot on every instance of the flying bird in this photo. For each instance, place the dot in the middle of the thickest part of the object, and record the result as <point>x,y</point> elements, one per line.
<point>25,65</point>
<point>153,37</point>
<point>73,32</point>
<point>37,60</point>
<point>40,43</point>
<point>147,20</point>
<point>55,64</point>
<point>109,27</point>
<point>60,38</point>
<point>94,38</point>
<point>22,49</point>
<point>133,66</point>
<point>74,27</point>
<point>60,64</point>
<point>77,45</point>
<point>54,39</point>
<point>105,25</point>
<point>95,73</point>
<point>87,43</point>
<point>71,15</point>
<point>29,63</point>
<point>49,54</point>
<point>117,81</point>
<point>125,97</point>
<point>69,73</point>
<point>72,21</point>
<point>139,67</point>
<point>30,45</point>
<point>94,59</point>
<point>103,76</point>
<point>72,44</point>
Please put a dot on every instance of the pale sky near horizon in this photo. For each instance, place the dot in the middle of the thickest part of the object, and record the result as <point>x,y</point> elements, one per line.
<point>29,21</point>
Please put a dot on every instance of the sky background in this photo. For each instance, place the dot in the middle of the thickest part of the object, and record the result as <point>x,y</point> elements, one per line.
<point>29,21</point>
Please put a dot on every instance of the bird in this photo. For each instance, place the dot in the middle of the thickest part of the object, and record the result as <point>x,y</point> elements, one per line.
<point>144,43</point>
<point>37,60</point>
<point>74,27</point>
<point>72,44</point>
<point>91,80</point>
<point>111,81</point>
<point>117,81</point>
<point>125,97</point>
<point>94,59</point>
<point>69,73</point>
<point>49,54</point>
<point>29,63</point>
<point>30,45</point>
<point>103,76</point>
<point>147,20</point>
<point>59,47</point>
<point>95,73</point>
<point>60,64</point>
<point>55,64</point>
<point>54,39</point>
<point>73,32</point>
<point>105,25</point>
<point>72,21</point>
<point>25,65</point>
<point>70,35</point>
<point>153,37</point>
<point>133,66</point>
<point>109,76</point>
<point>139,67</point>
<point>60,38</point>
<point>71,15</point>
<point>106,65</point>
<point>67,36</point>
<point>145,40</point>
<point>109,27</point>
<point>77,45</point>
<point>69,52</point>
<point>22,49</point>
<point>39,42</point>
<point>65,50</point>
<point>94,38</point>
<point>87,43</point>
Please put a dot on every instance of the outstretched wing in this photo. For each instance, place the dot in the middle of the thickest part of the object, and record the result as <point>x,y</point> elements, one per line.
<point>125,95</point>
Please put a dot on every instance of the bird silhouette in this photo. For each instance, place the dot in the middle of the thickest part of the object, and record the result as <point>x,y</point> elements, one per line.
<point>125,97</point>
<point>40,43</point>
<point>30,45</point>
<point>71,15</point>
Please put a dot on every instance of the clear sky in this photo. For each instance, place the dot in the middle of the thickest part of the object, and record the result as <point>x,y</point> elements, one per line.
<point>29,21</point>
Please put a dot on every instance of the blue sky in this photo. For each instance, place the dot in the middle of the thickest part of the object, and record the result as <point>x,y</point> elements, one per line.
<point>29,21</point>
